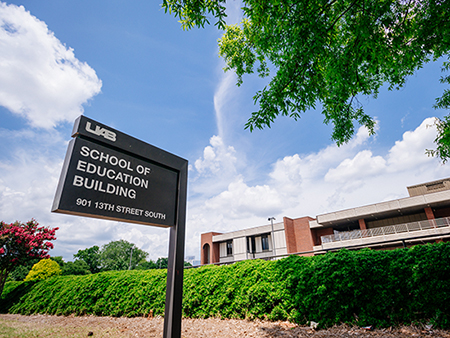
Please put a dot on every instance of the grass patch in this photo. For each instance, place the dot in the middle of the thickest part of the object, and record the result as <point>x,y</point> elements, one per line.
<point>10,328</point>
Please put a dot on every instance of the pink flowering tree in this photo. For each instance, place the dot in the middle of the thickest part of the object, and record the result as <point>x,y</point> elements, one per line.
<point>20,242</point>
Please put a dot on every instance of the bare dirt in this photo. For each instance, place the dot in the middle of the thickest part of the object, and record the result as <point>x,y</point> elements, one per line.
<point>18,326</point>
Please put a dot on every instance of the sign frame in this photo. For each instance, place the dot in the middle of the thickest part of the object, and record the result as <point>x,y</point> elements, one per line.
<point>89,131</point>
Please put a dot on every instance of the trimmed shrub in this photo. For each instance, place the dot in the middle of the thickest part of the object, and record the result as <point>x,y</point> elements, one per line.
<point>43,269</point>
<point>365,287</point>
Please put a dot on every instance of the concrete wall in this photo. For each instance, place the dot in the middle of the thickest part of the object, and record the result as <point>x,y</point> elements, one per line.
<point>239,239</point>
<point>429,187</point>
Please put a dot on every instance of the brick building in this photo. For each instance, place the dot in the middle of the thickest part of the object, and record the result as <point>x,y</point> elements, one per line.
<point>422,217</point>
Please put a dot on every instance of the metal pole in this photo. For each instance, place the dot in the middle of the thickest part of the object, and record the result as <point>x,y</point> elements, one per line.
<point>175,267</point>
<point>131,255</point>
<point>273,237</point>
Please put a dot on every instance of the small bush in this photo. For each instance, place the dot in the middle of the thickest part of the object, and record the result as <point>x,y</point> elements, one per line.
<point>44,269</point>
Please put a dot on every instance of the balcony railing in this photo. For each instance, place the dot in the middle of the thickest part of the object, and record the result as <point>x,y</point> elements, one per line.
<point>389,230</point>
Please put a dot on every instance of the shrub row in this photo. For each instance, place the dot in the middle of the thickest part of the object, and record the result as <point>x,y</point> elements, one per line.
<point>365,287</point>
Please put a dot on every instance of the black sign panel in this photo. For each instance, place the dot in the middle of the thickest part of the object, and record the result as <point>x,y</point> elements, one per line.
<point>110,175</point>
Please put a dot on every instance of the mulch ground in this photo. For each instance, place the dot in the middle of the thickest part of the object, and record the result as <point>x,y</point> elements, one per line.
<point>59,326</point>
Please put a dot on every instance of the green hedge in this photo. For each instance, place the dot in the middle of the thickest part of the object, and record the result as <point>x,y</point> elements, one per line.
<point>365,287</point>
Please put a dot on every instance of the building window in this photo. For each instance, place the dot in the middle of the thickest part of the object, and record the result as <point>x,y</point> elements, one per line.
<point>251,245</point>
<point>206,254</point>
<point>435,186</point>
<point>265,242</point>
<point>229,248</point>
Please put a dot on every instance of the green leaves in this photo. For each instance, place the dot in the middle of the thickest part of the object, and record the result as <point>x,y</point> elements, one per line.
<point>44,269</point>
<point>442,140</point>
<point>195,13</point>
<point>91,256</point>
<point>326,53</point>
<point>116,255</point>
<point>365,287</point>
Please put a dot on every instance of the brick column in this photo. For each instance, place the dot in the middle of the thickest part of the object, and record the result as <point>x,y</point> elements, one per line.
<point>301,236</point>
<point>430,216</point>
<point>362,224</point>
<point>289,233</point>
<point>206,239</point>
<point>429,212</point>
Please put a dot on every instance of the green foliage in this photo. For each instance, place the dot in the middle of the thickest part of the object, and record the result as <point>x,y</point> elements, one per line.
<point>91,256</point>
<point>195,13</point>
<point>111,293</point>
<point>366,287</point>
<point>326,53</point>
<point>20,243</point>
<point>116,256</point>
<point>79,267</point>
<point>59,260</point>
<point>162,263</point>
<point>442,140</point>
<point>44,269</point>
<point>146,265</point>
<point>21,271</point>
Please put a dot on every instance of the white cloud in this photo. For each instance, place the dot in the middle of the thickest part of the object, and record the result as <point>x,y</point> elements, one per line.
<point>364,164</point>
<point>330,179</point>
<point>222,97</point>
<point>29,176</point>
<point>40,78</point>
<point>240,200</point>
<point>216,158</point>
<point>406,154</point>
<point>410,151</point>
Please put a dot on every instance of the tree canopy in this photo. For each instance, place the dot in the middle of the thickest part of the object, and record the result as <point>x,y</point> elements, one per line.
<point>328,53</point>
<point>116,255</point>
<point>91,256</point>
<point>22,242</point>
<point>78,267</point>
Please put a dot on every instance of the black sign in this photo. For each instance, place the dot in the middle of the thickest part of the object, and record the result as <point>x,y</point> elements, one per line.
<point>110,175</point>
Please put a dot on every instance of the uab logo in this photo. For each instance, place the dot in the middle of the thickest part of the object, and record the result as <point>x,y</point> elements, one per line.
<point>108,134</point>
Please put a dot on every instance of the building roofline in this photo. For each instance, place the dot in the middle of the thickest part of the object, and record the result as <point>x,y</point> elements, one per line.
<point>385,209</point>
<point>249,232</point>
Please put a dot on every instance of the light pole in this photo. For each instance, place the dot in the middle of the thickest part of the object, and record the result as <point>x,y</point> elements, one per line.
<point>131,255</point>
<point>271,219</point>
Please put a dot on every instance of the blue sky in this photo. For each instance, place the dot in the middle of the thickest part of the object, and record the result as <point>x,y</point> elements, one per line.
<point>131,66</point>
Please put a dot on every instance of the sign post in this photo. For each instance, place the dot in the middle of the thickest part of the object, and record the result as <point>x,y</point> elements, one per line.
<point>110,175</point>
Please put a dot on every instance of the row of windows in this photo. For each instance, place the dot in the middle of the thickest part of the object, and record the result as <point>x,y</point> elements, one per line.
<point>251,244</point>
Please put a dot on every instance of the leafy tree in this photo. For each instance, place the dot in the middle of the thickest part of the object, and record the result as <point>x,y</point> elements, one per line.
<point>116,255</point>
<point>162,263</point>
<point>21,271</point>
<point>146,265</point>
<point>328,53</point>
<point>44,269</point>
<point>59,260</point>
<point>20,243</point>
<point>78,267</point>
<point>91,256</point>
